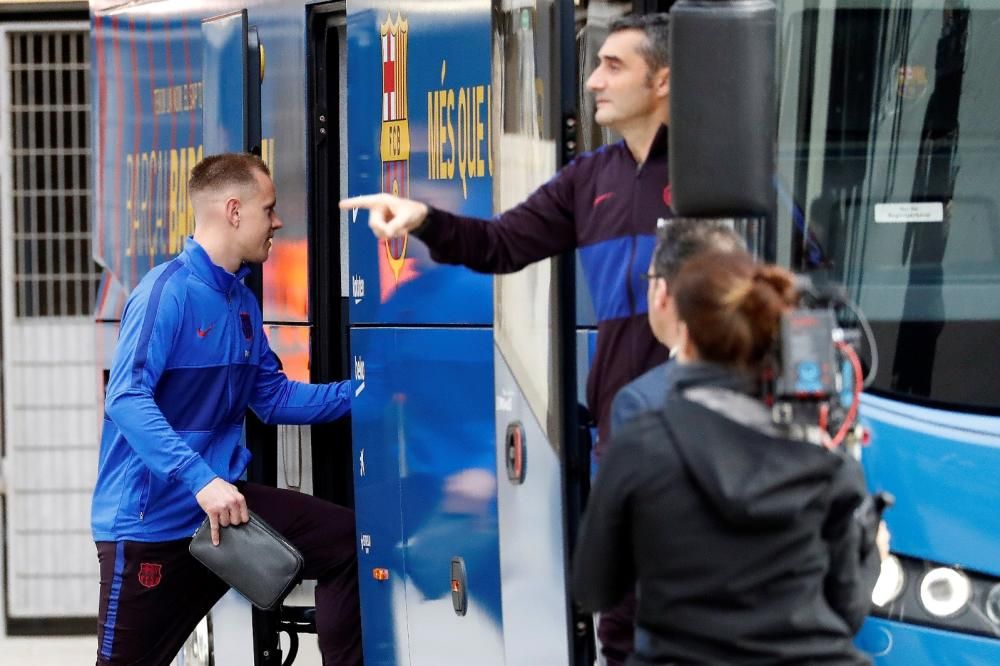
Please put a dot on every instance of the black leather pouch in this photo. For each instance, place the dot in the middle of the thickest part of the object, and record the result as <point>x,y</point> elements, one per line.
<point>252,558</point>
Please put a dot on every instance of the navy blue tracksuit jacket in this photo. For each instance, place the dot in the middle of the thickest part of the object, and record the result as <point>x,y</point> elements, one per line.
<point>605,204</point>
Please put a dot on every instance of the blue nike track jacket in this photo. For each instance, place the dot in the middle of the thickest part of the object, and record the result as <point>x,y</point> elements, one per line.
<point>191,357</point>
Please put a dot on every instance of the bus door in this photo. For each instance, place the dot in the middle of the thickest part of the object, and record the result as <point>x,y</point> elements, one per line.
<point>231,122</point>
<point>425,475</point>
<point>538,457</point>
<point>329,358</point>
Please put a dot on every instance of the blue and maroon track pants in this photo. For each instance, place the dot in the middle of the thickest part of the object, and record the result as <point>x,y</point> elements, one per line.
<point>154,594</point>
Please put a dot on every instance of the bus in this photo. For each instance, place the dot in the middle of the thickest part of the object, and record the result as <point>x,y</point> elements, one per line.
<point>466,456</point>
<point>888,127</point>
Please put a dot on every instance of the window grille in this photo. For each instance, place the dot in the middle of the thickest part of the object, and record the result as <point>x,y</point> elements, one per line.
<point>54,271</point>
<point>48,279</point>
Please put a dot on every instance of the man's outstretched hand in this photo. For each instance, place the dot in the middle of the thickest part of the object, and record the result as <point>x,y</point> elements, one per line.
<point>224,504</point>
<point>389,216</point>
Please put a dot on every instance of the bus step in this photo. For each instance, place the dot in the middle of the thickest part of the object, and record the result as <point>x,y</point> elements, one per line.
<point>298,619</point>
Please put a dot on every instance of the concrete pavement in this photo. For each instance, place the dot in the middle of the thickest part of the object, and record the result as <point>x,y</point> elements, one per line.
<point>47,650</point>
<point>82,651</point>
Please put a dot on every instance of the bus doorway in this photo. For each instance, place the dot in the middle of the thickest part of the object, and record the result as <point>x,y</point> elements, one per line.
<point>329,281</point>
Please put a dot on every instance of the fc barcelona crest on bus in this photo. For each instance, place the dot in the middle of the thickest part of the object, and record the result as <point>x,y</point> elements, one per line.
<point>395,139</point>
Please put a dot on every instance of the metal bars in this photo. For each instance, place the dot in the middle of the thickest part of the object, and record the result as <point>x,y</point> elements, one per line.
<point>54,272</point>
<point>48,283</point>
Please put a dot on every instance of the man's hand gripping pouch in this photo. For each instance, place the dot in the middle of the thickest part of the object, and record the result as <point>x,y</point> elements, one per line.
<point>252,558</point>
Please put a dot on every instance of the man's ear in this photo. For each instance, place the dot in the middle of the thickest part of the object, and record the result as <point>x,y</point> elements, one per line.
<point>661,82</point>
<point>661,295</point>
<point>233,211</point>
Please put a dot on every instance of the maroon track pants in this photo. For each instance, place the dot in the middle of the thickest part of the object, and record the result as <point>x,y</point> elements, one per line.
<point>154,594</point>
<point>616,630</point>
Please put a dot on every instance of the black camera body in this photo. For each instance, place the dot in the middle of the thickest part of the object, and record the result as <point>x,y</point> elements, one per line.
<point>812,383</point>
<point>808,367</point>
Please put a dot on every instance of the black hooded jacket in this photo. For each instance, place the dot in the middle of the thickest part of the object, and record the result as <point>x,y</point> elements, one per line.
<point>743,545</point>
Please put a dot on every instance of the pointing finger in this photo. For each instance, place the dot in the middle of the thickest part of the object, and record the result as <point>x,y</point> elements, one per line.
<point>397,227</point>
<point>378,226</point>
<point>368,201</point>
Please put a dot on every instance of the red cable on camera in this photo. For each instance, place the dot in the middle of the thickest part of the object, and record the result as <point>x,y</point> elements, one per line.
<point>852,356</point>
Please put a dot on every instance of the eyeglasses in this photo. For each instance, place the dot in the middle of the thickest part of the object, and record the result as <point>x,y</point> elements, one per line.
<point>649,277</point>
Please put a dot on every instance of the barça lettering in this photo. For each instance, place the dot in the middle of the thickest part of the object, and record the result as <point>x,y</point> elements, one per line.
<point>159,214</point>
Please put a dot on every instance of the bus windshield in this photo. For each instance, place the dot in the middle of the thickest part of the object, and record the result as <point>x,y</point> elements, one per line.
<point>889,182</point>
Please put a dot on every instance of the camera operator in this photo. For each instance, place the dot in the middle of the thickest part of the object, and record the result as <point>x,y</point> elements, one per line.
<point>743,544</point>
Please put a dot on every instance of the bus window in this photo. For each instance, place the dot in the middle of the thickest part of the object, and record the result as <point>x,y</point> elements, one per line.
<point>889,136</point>
<point>527,150</point>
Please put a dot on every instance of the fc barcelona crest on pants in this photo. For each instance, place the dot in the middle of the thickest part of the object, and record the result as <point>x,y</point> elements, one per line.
<point>150,574</point>
<point>395,139</point>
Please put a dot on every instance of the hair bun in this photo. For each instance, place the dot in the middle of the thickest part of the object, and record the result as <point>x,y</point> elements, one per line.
<point>732,305</point>
<point>779,280</point>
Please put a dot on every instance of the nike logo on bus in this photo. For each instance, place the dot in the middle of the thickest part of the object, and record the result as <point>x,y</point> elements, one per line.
<point>202,332</point>
<point>602,197</point>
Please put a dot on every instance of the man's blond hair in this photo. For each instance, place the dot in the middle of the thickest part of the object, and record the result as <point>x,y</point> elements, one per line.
<point>219,171</point>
